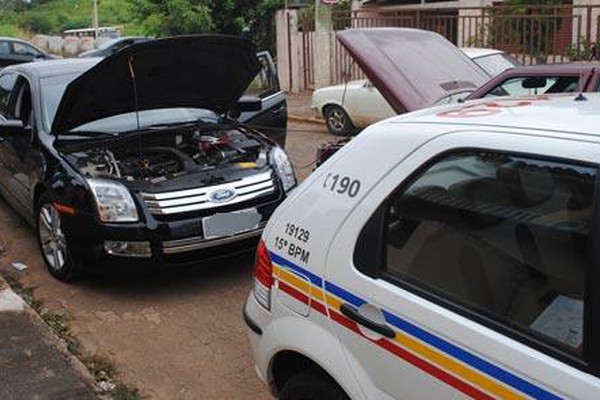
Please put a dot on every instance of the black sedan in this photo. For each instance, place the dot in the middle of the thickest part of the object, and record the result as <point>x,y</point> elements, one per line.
<point>135,160</point>
<point>17,51</point>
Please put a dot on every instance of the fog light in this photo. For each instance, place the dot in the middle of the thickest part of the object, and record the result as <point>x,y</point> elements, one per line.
<point>128,249</point>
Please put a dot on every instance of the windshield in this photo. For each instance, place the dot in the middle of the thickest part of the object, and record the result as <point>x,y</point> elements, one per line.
<point>494,64</point>
<point>53,88</point>
<point>164,116</point>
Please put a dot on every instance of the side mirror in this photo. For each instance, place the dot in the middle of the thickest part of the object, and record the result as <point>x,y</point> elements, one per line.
<point>249,103</point>
<point>534,82</point>
<point>11,127</point>
<point>245,104</point>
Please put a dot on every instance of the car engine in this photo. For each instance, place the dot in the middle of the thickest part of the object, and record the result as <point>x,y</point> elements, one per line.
<point>160,156</point>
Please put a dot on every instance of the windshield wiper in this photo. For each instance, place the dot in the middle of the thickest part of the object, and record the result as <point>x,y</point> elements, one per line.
<point>87,134</point>
<point>198,122</point>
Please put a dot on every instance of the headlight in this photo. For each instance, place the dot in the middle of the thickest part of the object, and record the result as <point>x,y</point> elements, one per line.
<point>284,168</point>
<point>114,201</point>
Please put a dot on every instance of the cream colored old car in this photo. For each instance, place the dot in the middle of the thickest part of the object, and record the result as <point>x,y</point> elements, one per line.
<point>357,104</point>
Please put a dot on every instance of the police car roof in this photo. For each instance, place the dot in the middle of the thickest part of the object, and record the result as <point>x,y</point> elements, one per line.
<point>567,114</point>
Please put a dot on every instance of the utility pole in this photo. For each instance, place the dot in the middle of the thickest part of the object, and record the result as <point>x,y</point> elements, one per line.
<point>95,18</point>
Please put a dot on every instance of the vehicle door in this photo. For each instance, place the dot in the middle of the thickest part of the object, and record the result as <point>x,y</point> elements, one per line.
<point>16,150</point>
<point>272,117</point>
<point>472,277</point>
<point>367,105</point>
<point>7,84</point>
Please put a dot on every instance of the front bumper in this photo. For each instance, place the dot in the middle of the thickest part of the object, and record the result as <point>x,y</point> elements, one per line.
<point>171,242</point>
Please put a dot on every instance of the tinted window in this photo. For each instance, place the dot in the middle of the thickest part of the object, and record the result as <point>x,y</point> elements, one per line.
<point>527,86</point>
<point>7,82</point>
<point>505,236</point>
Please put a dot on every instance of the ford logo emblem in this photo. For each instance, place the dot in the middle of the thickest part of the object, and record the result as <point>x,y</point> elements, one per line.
<point>222,195</point>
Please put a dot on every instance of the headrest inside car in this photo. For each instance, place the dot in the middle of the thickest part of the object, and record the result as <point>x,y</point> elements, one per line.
<point>527,185</point>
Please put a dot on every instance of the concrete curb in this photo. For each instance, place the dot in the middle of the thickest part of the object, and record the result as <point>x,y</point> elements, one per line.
<point>50,338</point>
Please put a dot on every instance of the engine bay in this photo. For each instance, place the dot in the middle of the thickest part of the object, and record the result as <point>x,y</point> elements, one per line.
<point>161,155</point>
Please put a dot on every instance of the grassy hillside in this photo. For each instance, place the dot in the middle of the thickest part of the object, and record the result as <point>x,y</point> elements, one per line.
<point>54,16</point>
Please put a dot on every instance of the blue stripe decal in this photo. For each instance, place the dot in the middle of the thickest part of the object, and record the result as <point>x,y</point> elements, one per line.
<point>344,295</point>
<point>470,359</point>
<point>314,279</point>
<point>448,348</point>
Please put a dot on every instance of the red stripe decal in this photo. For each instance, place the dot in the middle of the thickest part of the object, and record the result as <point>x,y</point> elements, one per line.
<point>292,291</point>
<point>414,360</point>
<point>298,295</point>
<point>318,306</point>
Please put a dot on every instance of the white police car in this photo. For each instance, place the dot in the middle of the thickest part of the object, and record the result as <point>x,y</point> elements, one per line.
<point>445,254</point>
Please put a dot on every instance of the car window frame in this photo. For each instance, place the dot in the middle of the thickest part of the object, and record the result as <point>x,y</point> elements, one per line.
<point>370,255</point>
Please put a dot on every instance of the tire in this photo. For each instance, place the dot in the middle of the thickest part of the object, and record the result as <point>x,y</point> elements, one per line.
<point>337,120</point>
<point>52,241</point>
<point>312,385</point>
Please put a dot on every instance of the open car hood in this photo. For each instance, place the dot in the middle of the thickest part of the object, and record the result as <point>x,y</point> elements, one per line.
<point>411,68</point>
<point>199,71</point>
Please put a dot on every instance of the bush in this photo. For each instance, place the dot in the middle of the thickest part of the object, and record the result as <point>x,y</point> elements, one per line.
<point>11,30</point>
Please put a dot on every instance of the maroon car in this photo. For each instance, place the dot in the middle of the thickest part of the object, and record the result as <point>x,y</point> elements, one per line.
<point>541,79</point>
<point>398,61</point>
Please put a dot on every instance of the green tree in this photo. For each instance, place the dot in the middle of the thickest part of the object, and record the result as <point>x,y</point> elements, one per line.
<point>252,18</point>
<point>172,17</point>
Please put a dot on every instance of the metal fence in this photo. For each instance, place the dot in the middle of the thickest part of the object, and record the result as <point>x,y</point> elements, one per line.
<point>532,34</point>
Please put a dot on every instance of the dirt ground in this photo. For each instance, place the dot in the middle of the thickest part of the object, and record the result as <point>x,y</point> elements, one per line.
<point>176,334</point>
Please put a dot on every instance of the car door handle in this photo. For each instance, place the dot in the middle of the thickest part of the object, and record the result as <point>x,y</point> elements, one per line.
<point>352,313</point>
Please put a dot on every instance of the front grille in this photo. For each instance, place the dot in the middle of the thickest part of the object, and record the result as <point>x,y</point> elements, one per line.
<point>182,201</point>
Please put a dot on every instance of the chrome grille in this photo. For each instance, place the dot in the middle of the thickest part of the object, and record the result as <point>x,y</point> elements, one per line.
<point>198,199</point>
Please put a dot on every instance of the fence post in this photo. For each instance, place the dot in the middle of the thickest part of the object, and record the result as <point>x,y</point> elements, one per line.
<point>323,33</point>
<point>288,50</point>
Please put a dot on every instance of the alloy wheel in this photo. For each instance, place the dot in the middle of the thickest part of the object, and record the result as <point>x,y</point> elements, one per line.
<point>52,237</point>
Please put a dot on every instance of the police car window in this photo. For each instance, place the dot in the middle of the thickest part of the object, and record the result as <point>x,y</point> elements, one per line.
<point>506,236</point>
